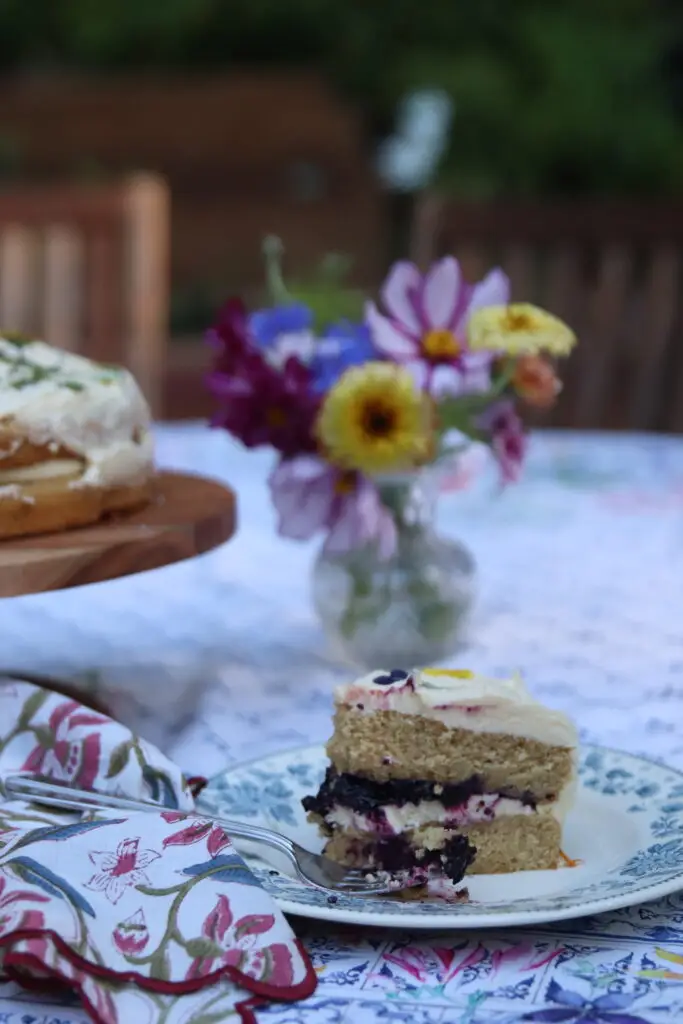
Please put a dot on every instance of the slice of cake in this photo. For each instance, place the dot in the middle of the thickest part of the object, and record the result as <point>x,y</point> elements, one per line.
<point>75,440</point>
<point>430,766</point>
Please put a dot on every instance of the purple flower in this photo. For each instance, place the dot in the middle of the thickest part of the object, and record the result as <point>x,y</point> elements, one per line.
<point>267,407</point>
<point>341,346</point>
<point>311,496</point>
<point>572,1008</point>
<point>259,404</point>
<point>284,331</point>
<point>508,440</point>
<point>231,339</point>
<point>426,320</point>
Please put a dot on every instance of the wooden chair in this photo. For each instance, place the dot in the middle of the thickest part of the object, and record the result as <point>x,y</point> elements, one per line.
<point>86,268</point>
<point>612,270</point>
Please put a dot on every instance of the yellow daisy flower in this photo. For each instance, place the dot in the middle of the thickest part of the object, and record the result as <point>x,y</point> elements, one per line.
<point>519,329</point>
<point>375,420</point>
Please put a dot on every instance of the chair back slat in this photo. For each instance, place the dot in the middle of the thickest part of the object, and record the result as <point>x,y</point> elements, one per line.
<point>655,327</point>
<point>613,271</point>
<point>63,283</point>
<point>519,264</point>
<point>87,269</point>
<point>604,310</point>
<point>18,278</point>
<point>104,297</point>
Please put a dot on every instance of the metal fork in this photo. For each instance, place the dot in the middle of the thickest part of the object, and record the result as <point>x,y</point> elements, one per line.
<point>313,868</point>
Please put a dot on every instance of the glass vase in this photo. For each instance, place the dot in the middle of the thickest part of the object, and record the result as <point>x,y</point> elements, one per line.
<point>405,611</point>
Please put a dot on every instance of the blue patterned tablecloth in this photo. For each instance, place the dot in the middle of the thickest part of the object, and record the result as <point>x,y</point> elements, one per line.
<point>221,659</point>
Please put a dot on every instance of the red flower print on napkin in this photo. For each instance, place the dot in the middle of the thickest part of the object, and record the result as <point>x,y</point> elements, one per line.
<point>198,829</point>
<point>231,943</point>
<point>131,936</point>
<point>63,752</point>
<point>14,916</point>
<point>117,871</point>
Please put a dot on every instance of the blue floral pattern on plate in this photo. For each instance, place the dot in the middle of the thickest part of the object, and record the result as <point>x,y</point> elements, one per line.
<point>626,831</point>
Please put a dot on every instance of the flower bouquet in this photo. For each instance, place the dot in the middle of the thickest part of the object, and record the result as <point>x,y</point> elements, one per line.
<point>361,409</point>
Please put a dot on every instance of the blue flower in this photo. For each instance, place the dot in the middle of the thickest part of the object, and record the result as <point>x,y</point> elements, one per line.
<point>571,1008</point>
<point>342,345</point>
<point>284,331</point>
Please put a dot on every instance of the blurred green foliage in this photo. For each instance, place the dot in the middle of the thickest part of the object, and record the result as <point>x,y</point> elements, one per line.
<point>567,96</point>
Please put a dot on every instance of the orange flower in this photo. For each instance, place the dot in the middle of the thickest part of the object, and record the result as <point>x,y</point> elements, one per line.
<point>535,381</point>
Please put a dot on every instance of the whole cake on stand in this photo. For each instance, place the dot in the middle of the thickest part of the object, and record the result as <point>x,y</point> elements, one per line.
<point>75,440</point>
<point>81,500</point>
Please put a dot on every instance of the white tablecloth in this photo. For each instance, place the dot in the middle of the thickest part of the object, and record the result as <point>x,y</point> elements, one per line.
<point>221,659</point>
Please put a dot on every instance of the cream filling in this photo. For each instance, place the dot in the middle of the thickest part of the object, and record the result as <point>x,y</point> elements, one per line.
<point>53,469</point>
<point>463,701</point>
<point>392,819</point>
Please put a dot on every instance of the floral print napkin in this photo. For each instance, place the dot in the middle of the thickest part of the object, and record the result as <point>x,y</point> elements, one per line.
<point>149,917</point>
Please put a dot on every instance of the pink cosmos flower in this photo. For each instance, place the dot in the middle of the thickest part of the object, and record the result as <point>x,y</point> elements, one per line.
<point>71,753</point>
<point>311,496</point>
<point>425,325</point>
<point>240,947</point>
<point>508,440</point>
<point>118,871</point>
<point>131,936</point>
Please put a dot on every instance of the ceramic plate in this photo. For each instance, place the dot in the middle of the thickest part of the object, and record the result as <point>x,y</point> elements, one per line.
<point>626,830</point>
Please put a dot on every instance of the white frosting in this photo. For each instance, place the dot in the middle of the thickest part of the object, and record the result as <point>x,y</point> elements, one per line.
<point>462,700</point>
<point>56,398</point>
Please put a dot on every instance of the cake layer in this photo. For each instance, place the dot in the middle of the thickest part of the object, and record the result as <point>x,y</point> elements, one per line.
<point>37,508</point>
<point>460,699</point>
<point>400,858</point>
<point>517,843</point>
<point>389,745</point>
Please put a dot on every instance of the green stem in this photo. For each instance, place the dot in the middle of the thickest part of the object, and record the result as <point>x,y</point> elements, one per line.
<point>273,250</point>
<point>148,890</point>
<point>181,891</point>
<point>138,961</point>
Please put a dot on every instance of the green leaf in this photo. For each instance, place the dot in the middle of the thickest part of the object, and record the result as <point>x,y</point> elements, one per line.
<point>202,948</point>
<point>58,833</point>
<point>118,759</point>
<point>31,706</point>
<point>33,873</point>
<point>44,736</point>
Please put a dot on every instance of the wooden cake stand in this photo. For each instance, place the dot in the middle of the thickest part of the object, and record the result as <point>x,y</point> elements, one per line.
<point>189,516</point>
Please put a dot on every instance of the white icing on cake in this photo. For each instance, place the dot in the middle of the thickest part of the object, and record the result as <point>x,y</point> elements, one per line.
<point>56,398</point>
<point>462,700</point>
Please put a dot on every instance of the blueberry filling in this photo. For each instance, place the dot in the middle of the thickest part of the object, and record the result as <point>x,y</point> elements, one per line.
<point>365,795</point>
<point>396,855</point>
<point>395,676</point>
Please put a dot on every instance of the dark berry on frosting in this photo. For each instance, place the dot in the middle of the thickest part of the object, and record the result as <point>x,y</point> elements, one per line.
<point>395,676</point>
